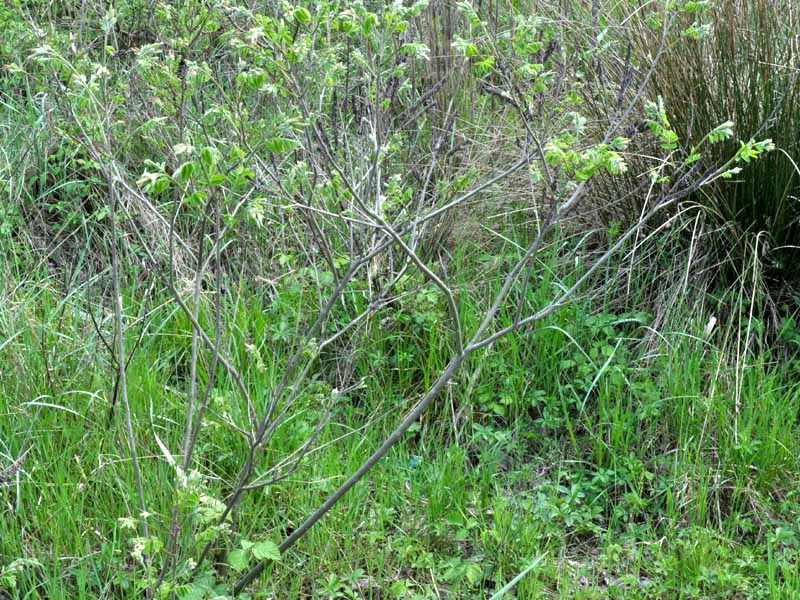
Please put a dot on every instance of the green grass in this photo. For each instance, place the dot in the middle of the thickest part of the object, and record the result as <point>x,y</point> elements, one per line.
<point>633,476</point>
<point>747,77</point>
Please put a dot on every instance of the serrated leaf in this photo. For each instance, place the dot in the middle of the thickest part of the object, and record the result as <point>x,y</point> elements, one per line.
<point>266,550</point>
<point>474,573</point>
<point>238,560</point>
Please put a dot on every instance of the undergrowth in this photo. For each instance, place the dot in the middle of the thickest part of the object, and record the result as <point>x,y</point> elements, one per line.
<point>240,244</point>
<point>665,474</point>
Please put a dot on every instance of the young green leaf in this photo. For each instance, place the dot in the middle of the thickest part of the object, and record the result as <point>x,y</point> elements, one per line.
<point>266,550</point>
<point>302,15</point>
<point>238,560</point>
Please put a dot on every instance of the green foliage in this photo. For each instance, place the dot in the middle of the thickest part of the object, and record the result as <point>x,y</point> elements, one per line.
<point>637,458</point>
<point>470,515</point>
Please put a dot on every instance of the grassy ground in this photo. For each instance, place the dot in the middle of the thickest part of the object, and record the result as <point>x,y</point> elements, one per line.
<point>626,468</point>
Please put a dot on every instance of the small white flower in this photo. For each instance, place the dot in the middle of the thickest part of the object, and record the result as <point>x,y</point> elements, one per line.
<point>710,326</point>
<point>138,549</point>
<point>179,149</point>
<point>100,71</point>
<point>180,476</point>
<point>127,522</point>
